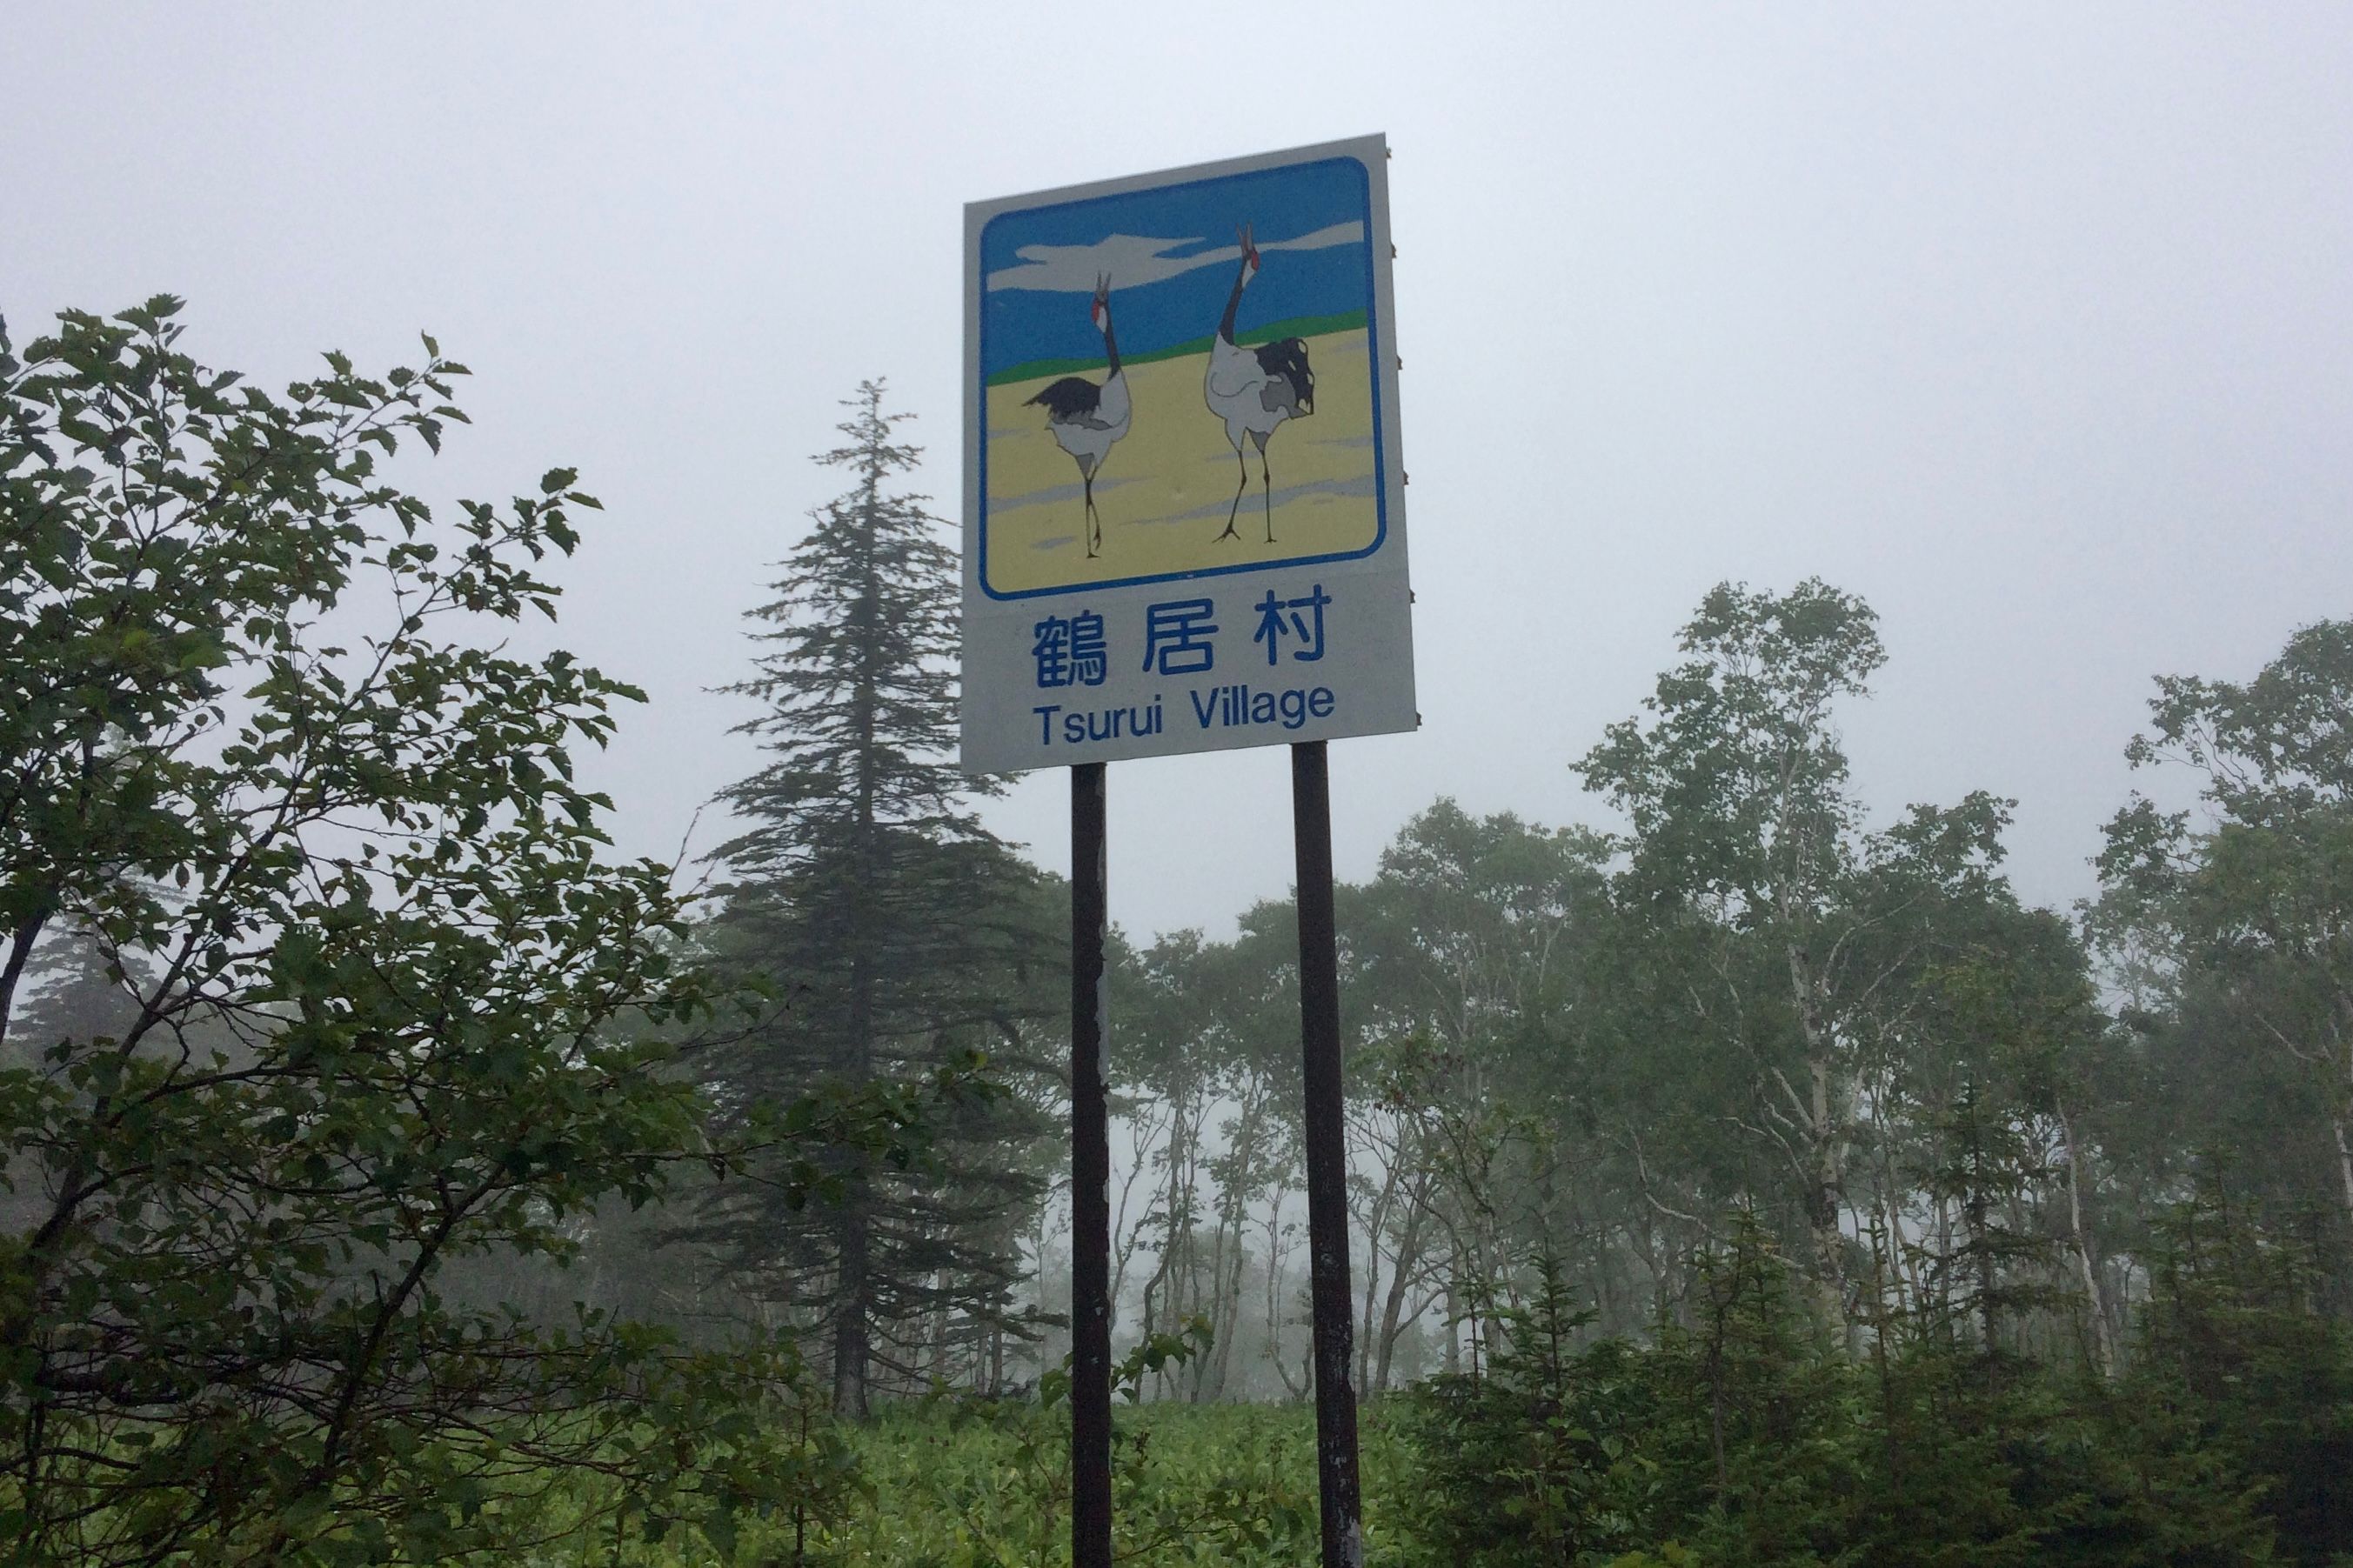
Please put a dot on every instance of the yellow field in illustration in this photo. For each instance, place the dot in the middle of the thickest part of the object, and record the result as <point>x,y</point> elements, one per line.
<point>1163,490</point>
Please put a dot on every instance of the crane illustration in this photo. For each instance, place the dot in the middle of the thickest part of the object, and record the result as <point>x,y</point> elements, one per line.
<point>1087,420</point>
<point>1254,390</point>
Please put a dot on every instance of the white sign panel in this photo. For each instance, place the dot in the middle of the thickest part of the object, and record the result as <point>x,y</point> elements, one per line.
<point>1184,498</point>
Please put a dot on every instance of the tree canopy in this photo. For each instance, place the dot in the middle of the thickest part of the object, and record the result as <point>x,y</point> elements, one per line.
<point>377,999</point>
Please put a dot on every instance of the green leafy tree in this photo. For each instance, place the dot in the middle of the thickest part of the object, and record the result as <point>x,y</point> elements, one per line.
<point>1754,1425</point>
<point>2231,1343</point>
<point>1207,1077</point>
<point>1786,919</point>
<point>1740,807</point>
<point>377,999</point>
<point>1466,955</point>
<point>1982,1054</point>
<point>1740,804</point>
<point>1534,1458</point>
<point>900,935</point>
<point>2251,915</point>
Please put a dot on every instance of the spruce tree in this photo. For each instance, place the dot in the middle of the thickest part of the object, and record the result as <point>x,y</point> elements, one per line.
<point>899,935</point>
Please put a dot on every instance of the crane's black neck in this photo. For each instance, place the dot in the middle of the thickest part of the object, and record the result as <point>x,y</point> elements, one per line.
<point>1111,344</point>
<point>1233,302</point>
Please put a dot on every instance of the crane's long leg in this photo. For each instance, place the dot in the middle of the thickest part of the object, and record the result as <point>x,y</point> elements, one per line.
<point>1094,518</point>
<point>1266,478</point>
<point>1241,485</point>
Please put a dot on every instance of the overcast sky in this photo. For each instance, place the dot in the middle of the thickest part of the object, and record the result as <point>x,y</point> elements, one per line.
<point>2032,325</point>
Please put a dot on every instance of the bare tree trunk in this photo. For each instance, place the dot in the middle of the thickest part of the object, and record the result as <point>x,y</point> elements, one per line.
<point>2344,1160</point>
<point>853,1344</point>
<point>942,1354</point>
<point>1944,1253</point>
<point>1904,1267</point>
<point>1825,1143</point>
<point>1393,1310</point>
<point>1127,1239</point>
<point>1230,1254</point>
<point>2103,1354</point>
<point>1163,1267</point>
<point>1822,1197</point>
<point>1974,1206</point>
<point>1229,1313</point>
<point>20,948</point>
<point>2341,1049</point>
<point>1376,1221</point>
<point>1453,1362</point>
<point>852,1337</point>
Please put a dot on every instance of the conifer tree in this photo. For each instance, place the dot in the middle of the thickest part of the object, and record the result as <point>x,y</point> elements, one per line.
<point>899,935</point>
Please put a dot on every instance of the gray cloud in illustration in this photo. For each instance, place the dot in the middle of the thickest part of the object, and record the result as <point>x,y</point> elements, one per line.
<point>1131,261</point>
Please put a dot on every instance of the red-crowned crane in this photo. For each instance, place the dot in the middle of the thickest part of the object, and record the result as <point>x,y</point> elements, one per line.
<point>1254,390</point>
<point>1086,419</point>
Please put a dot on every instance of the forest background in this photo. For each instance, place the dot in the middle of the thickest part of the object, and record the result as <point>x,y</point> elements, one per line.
<point>392,1176</point>
<point>1924,1211</point>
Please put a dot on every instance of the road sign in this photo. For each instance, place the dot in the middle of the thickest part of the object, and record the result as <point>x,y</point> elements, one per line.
<point>1184,497</point>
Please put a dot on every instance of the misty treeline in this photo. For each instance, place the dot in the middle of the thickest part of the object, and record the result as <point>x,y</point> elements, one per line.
<point>394,1176</point>
<point>1766,1008</point>
<point>1779,1084</point>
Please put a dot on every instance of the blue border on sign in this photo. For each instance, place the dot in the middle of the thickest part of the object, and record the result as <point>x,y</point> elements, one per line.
<point>1372,365</point>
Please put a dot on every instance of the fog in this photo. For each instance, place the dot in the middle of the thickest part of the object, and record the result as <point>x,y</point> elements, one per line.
<point>2028,324</point>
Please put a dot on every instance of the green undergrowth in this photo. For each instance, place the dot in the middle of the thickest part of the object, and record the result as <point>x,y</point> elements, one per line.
<point>949,1484</point>
<point>981,1486</point>
<point>1192,1484</point>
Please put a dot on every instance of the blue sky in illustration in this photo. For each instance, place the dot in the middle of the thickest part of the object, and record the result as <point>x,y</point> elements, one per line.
<point>1154,233</point>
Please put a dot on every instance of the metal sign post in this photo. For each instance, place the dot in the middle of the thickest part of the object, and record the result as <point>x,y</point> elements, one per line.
<point>1327,1138</point>
<point>1185,532</point>
<point>1090,1178</point>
